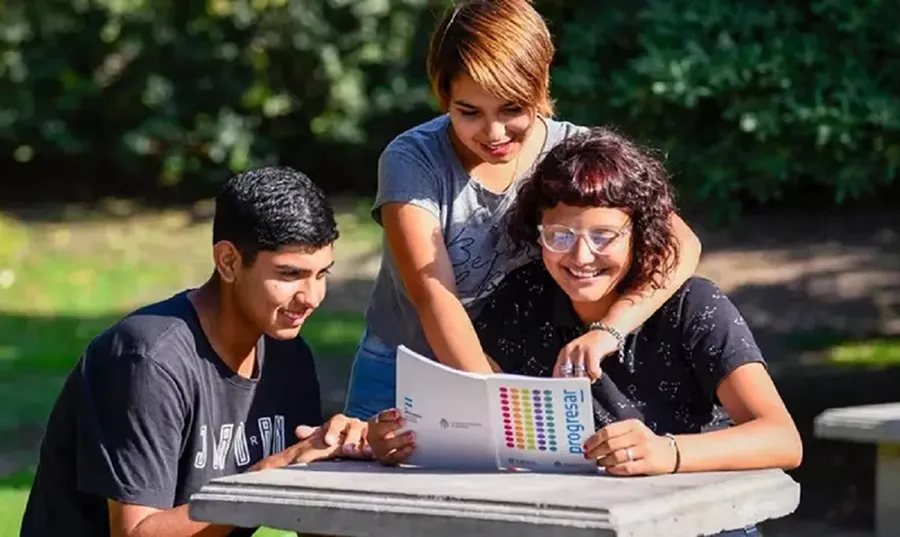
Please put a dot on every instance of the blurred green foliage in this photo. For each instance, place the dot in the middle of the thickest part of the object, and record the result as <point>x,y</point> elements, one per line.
<point>748,99</point>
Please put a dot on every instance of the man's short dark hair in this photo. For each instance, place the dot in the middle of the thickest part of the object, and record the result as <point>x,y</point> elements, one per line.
<point>269,208</point>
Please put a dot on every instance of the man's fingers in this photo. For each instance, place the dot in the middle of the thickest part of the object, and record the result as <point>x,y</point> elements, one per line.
<point>303,432</point>
<point>353,438</point>
<point>334,429</point>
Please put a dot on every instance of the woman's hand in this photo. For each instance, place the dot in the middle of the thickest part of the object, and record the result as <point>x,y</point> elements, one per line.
<point>389,447</point>
<point>582,356</point>
<point>630,448</point>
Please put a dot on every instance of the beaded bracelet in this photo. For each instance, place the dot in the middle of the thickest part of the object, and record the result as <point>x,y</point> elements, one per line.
<point>620,340</point>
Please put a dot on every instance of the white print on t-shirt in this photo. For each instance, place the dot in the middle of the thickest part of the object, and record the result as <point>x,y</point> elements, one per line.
<point>271,433</point>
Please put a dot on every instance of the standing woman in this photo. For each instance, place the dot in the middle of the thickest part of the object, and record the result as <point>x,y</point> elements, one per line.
<point>443,189</point>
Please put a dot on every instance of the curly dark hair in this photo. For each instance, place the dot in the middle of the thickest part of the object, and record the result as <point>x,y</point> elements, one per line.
<point>602,168</point>
<point>269,208</point>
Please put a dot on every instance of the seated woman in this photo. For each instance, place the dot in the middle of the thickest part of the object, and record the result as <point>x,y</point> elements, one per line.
<point>689,390</point>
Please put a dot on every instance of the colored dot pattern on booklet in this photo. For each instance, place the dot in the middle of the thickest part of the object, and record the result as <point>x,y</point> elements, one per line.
<point>528,419</point>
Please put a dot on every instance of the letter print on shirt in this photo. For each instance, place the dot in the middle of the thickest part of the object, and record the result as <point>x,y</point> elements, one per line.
<point>232,440</point>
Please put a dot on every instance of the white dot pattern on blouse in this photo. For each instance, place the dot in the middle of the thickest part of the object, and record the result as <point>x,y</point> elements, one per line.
<point>673,363</point>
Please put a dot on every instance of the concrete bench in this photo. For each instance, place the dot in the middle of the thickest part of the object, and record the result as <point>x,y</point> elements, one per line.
<point>358,499</point>
<point>879,425</point>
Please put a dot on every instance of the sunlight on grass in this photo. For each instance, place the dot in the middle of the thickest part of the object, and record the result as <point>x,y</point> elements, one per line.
<point>355,222</point>
<point>13,496</point>
<point>880,352</point>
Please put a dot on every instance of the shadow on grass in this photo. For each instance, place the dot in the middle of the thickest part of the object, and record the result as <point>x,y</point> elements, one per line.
<point>806,282</point>
<point>17,481</point>
<point>822,294</point>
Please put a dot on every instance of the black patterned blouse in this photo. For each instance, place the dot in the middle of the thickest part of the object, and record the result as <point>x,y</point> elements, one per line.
<point>673,364</point>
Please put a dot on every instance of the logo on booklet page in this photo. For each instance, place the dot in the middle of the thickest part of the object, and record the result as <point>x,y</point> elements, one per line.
<point>408,410</point>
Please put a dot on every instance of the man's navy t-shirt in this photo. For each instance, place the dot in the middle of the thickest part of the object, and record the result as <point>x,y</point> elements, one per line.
<point>150,414</point>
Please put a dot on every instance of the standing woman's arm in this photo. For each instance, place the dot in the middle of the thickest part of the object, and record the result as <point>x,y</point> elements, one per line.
<point>637,305</point>
<point>410,217</point>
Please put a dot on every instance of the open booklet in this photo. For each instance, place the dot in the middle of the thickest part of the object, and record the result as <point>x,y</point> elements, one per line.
<point>493,421</point>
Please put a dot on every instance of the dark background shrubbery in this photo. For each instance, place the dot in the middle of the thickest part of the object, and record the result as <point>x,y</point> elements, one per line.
<point>755,103</point>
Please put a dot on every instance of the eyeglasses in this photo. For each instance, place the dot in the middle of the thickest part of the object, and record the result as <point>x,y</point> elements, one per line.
<point>561,239</point>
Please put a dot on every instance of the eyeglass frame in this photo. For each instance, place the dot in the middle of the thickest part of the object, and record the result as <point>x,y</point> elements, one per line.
<point>584,234</point>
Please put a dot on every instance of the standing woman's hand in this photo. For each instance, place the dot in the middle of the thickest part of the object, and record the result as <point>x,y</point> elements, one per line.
<point>389,447</point>
<point>583,355</point>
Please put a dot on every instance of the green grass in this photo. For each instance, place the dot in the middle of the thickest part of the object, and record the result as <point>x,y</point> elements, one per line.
<point>846,350</point>
<point>63,282</point>
<point>13,496</point>
<point>874,352</point>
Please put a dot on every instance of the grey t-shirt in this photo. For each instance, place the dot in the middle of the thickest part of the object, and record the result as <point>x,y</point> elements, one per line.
<point>419,167</point>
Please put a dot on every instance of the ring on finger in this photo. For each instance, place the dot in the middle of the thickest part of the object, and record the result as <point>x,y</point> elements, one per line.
<point>629,455</point>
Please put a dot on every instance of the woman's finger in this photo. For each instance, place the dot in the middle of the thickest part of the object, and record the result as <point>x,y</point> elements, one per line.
<point>578,367</point>
<point>400,455</point>
<point>386,445</point>
<point>563,366</point>
<point>389,415</point>
<point>639,467</point>
<point>612,445</point>
<point>623,456</point>
<point>592,363</point>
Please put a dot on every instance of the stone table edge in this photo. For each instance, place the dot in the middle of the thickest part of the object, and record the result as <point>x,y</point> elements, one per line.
<point>770,499</point>
<point>855,424</point>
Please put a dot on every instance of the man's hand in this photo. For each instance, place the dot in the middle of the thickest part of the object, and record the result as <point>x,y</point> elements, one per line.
<point>338,437</point>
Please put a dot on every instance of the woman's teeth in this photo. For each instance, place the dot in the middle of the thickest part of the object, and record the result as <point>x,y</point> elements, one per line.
<point>584,273</point>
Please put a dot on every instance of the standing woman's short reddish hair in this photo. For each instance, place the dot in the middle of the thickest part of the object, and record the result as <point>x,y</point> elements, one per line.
<point>504,45</point>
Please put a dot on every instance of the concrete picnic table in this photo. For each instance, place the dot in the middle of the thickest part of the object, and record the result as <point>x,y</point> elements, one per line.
<point>879,425</point>
<point>359,499</point>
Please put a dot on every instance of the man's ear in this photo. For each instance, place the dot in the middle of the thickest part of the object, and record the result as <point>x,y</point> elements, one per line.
<point>227,259</point>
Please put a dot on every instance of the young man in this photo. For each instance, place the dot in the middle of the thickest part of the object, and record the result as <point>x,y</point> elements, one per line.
<point>210,382</point>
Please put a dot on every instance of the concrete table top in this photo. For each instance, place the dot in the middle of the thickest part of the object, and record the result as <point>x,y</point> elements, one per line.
<point>357,499</point>
<point>869,424</point>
